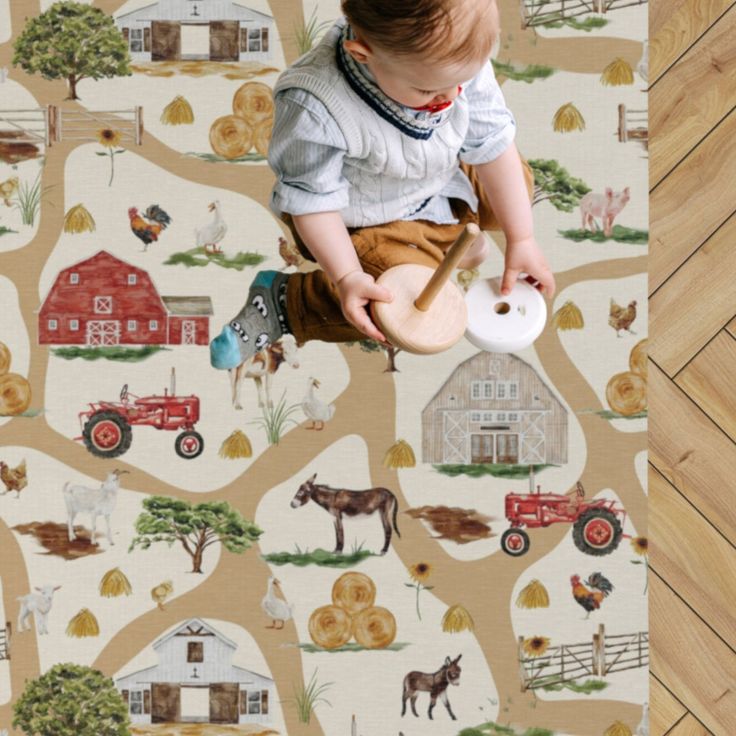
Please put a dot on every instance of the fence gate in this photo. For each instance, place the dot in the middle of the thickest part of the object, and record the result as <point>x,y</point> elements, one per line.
<point>36,125</point>
<point>540,12</point>
<point>84,125</point>
<point>5,641</point>
<point>633,125</point>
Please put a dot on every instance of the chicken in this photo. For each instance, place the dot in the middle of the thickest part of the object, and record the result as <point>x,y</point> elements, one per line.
<point>317,411</point>
<point>274,607</point>
<point>290,253</point>
<point>209,235</point>
<point>591,600</point>
<point>621,318</point>
<point>7,189</point>
<point>161,592</point>
<point>145,231</point>
<point>14,479</point>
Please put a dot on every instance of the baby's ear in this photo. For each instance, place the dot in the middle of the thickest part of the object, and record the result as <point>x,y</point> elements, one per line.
<point>360,51</point>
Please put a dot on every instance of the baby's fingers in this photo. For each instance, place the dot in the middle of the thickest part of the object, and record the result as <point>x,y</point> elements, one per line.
<point>364,323</point>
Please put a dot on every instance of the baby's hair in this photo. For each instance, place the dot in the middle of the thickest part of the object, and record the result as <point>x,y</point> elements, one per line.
<point>441,30</point>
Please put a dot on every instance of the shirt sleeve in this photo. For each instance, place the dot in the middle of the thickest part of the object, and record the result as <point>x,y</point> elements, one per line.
<point>306,153</point>
<point>492,125</point>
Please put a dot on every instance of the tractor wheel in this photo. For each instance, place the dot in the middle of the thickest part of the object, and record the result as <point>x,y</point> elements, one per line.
<point>515,542</point>
<point>597,532</point>
<point>189,445</point>
<point>107,434</point>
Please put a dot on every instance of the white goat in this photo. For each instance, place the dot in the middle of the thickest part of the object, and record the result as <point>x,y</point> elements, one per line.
<point>38,604</point>
<point>95,501</point>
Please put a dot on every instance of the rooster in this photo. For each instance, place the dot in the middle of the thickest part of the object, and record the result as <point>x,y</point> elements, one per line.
<point>621,318</point>
<point>145,231</point>
<point>591,600</point>
<point>14,479</point>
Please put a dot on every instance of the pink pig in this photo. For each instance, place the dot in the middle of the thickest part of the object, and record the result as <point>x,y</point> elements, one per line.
<point>606,206</point>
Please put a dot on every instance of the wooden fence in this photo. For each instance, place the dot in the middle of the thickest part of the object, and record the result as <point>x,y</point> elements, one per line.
<point>539,12</point>
<point>5,641</point>
<point>630,126</point>
<point>598,658</point>
<point>31,125</point>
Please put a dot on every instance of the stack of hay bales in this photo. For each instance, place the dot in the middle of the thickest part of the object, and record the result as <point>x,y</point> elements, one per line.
<point>352,614</point>
<point>250,125</point>
<point>626,392</point>
<point>15,391</point>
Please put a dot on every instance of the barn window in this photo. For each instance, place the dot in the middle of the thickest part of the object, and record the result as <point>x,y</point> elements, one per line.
<point>254,39</point>
<point>73,324</point>
<point>136,702</point>
<point>513,389</point>
<point>153,324</point>
<point>103,305</point>
<point>501,390</point>
<point>195,651</point>
<point>254,702</point>
<point>481,390</point>
<point>475,389</point>
<point>474,416</point>
<point>132,279</point>
<point>488,416</point>
<point>513,417</point>
<point>501,416</point>
<point>136,39</point>
<point>132,325</point>
<point>53,324</point>
<point>73,278</point>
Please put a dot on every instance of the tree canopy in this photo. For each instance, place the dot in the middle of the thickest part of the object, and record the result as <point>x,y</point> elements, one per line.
<point>195,526</point>
<point>71,700</point>
<point>554,183</point>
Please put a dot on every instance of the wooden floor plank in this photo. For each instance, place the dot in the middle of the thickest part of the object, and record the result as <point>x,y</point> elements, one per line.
<point>674,25</point>
<point>695,303</point>
<point>731,327</point>
<point>692,557</point>
<point>692,661</point>
<point>694,95</point>
<point>689,726</point>
<point>692,452</point>
<point>664,709</point>
<point>710,380</point>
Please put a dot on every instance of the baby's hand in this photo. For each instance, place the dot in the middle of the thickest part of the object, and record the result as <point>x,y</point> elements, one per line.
<point>356,289</point>
<point>525,255</point>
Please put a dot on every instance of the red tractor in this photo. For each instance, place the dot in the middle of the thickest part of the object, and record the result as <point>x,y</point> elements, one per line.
<point>597,525</point>
<point>107,426</point>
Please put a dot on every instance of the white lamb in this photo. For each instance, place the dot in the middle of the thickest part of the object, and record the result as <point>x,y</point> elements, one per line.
<point>95,501</point>
<point>38,604</point>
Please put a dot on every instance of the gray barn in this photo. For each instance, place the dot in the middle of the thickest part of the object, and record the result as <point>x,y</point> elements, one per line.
<point>494,408</point>
<point>215,30</point>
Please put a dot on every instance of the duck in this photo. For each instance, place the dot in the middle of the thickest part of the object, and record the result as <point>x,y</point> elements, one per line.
<point>209,235</point>
<point>317,411</point>
<point>276,608</point>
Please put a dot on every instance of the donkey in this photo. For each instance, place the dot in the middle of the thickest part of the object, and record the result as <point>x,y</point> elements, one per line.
<point>435,684</point>
<point>351,503</point>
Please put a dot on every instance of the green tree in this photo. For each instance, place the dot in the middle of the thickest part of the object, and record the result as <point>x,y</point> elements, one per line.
<point>195,526</point>
<point>72,41</point>
<point>553,182</point>
<point>372,346</point>
<point>71,700</point>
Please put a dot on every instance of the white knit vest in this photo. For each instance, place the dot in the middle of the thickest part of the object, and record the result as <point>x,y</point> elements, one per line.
<point>394,162</point>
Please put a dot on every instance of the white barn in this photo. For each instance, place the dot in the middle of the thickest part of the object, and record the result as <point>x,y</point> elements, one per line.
<point>196,682</point>
<point>214,30</point>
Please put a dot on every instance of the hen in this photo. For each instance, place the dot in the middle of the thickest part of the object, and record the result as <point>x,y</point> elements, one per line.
<point>161,593</point>
<point>620,318</point>
<point>14,479</point>
<point>147,230</point>
<point>591,600</point>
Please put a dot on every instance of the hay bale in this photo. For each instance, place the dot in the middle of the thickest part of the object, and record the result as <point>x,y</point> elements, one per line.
<point>15,394</point>
<point>617,73</point>
<point>638,359</point>
<point>231,136</point>
<point>626,393</point>
<point>400,455</point>
<point>354,592</point>
<point>83,624</point>
<point>568,119</point>
<point>5,358</point>
<point>568,317</point>
<point>374,628</point>
<point>178,112</point>
<point>253,102</point>
<point>235,446</point>
<point>79,220</point>
<point>262,136</point>
<point>533,595</point>
<point>114,583</point>
<point>457,618</point>
<point>618,729</point>
<point>330,627</point>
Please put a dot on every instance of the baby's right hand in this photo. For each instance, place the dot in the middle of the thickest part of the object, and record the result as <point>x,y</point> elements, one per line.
<point>356,290</point>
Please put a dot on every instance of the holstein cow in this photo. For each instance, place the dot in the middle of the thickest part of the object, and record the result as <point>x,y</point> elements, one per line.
<point>261,368</point>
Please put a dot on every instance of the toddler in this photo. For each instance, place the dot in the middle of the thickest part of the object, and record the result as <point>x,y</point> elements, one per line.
<point>389,136</point>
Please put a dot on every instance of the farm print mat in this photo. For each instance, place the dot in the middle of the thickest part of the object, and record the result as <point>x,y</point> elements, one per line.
<point>176,558</point>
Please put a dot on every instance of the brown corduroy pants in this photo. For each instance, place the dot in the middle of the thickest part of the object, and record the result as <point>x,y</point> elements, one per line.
<point>312,303</point>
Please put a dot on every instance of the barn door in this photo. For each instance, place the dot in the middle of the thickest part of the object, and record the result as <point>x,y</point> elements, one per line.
<point>165,40</point>
<point>224,37</point>
<point>507,448</point>
<point>224,702</point>
<point>166,703</point>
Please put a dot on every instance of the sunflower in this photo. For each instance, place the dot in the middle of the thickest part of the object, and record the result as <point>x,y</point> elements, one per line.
<point>536,646</point>
<point>108,137</point>
<point>640,545</point>
<point>420,571</point>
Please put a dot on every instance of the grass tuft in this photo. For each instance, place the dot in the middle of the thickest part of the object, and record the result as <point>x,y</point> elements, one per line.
<point>197,257</point>
<point>619,233</point>
<point>117,353</point>
<point>526,74</point>
<point>514,472</point>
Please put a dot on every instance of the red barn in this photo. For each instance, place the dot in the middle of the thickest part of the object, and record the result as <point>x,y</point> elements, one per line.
<point>106,301</point>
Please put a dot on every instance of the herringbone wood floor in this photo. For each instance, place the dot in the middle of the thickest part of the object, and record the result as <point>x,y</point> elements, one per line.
<point>692,473</point>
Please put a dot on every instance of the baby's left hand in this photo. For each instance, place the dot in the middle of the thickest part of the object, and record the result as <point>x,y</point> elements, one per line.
<point>526,255</point>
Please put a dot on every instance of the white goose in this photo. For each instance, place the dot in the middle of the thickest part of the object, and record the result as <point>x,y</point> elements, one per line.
<point>209,235</point>
<point>276,608</point>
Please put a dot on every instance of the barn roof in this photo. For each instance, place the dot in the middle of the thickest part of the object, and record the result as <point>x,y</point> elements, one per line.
<point>193,624</point>
<point>188,306</point>
<point>207,10</point>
